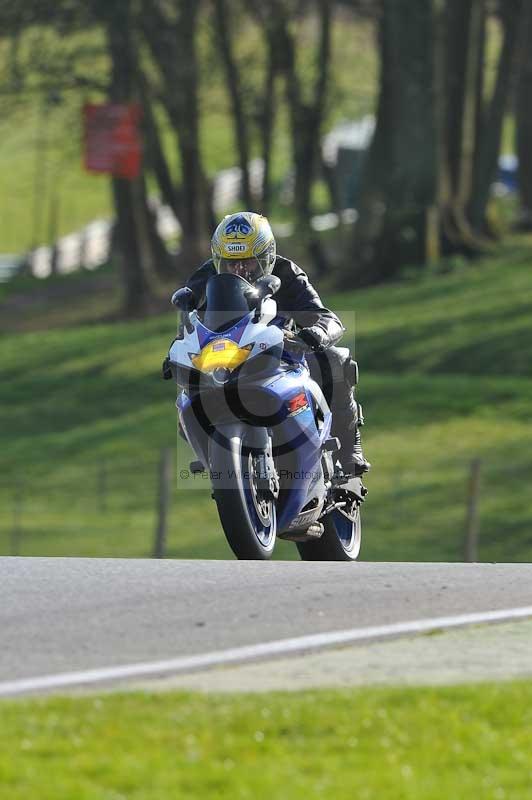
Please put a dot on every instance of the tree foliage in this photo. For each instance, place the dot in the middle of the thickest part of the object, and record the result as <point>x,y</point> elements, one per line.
<point>426,184</point>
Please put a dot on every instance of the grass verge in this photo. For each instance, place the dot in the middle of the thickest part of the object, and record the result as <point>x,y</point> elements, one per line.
<point>402,744</point>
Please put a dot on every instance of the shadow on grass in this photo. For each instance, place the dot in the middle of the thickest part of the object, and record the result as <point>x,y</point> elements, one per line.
<point>481,343</point>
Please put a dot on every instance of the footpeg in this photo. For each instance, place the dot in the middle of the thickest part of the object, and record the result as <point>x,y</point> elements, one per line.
<point>196,467</point>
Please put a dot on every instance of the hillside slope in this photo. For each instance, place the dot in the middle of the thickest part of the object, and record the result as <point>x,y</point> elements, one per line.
<point>445,378</point>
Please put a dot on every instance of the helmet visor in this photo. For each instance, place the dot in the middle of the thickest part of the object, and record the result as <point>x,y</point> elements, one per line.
<point>248,268</point>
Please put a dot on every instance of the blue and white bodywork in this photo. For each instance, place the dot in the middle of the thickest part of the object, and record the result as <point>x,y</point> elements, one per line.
<point>261,426</point>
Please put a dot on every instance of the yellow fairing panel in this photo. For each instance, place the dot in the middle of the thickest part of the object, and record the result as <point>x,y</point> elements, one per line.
<point>221,353</point>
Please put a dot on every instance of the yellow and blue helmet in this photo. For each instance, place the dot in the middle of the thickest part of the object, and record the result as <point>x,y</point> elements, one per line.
<point>243,244</point>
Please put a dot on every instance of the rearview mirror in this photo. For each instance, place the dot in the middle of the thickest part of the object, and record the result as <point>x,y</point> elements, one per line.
<point>262,288</point>
<point>184,299</point>
<point>267,285</point>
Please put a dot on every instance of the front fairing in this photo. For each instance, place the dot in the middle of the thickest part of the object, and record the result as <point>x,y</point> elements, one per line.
<point>236,346</point>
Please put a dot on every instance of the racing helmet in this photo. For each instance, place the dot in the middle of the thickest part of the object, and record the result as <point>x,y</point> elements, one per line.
<point>243,244</point>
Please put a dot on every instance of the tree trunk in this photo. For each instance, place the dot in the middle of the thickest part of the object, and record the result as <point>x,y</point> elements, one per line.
<point>131,237</point>
<point>306,117</point>
<point>128,239</point>
<point>234,89</point>
<point>155,157</point>
<point>196,234</point>
<point>162,262</point>
<point>398,208</point>
<point>464,34</point>
<point>266,117</point>
<point>265,104</point>
<point>465,31</point>
<point>514,19</point>
<point>523,114</point>
<point>172,43</point>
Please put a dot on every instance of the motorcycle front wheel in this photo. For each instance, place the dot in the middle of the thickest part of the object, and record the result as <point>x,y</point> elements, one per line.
<point>248,519</point>
<point>340,540</point>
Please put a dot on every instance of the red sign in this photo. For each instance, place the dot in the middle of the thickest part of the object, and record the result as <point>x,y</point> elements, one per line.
<point>112,138</point>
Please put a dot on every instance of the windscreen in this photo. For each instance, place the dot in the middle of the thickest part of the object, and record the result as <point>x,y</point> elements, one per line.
<point>226,301</point>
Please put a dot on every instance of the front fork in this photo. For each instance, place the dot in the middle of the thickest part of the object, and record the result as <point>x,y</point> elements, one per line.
<point>264,472</point>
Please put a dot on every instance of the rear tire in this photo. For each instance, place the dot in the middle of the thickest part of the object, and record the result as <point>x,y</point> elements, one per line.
<point>340,540</point>
<point>249,523</point>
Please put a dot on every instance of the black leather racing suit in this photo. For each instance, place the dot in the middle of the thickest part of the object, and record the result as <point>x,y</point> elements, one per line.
<point>331,367</point>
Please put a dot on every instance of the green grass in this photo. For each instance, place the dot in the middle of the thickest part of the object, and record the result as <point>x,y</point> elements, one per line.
<point>445,379</point>
<point>396,744</point>
<point>473,320</point>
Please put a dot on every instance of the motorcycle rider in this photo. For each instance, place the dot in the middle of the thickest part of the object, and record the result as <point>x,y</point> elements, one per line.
<point>243,244</point>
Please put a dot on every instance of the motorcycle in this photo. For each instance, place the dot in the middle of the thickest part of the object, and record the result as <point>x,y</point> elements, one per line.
<point>260,426</point>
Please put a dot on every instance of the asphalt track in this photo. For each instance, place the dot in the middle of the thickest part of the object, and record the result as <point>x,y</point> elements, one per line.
<point>66,615</point>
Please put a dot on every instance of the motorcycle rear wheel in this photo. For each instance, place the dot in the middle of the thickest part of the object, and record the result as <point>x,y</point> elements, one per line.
<point>340,540</point>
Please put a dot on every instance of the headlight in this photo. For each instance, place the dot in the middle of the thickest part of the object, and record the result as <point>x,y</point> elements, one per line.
<point>221,375</point>
<point>221,354</point>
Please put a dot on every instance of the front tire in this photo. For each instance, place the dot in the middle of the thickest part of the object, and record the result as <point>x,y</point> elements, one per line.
<point>340,540</point>
<point>249,522</point>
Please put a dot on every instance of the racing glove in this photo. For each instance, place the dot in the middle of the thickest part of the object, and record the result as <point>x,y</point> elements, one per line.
<point>315,337</point>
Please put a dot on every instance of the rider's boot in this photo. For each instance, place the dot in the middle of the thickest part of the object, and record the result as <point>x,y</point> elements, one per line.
<point>347,421</point>
<point>353,461</point>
